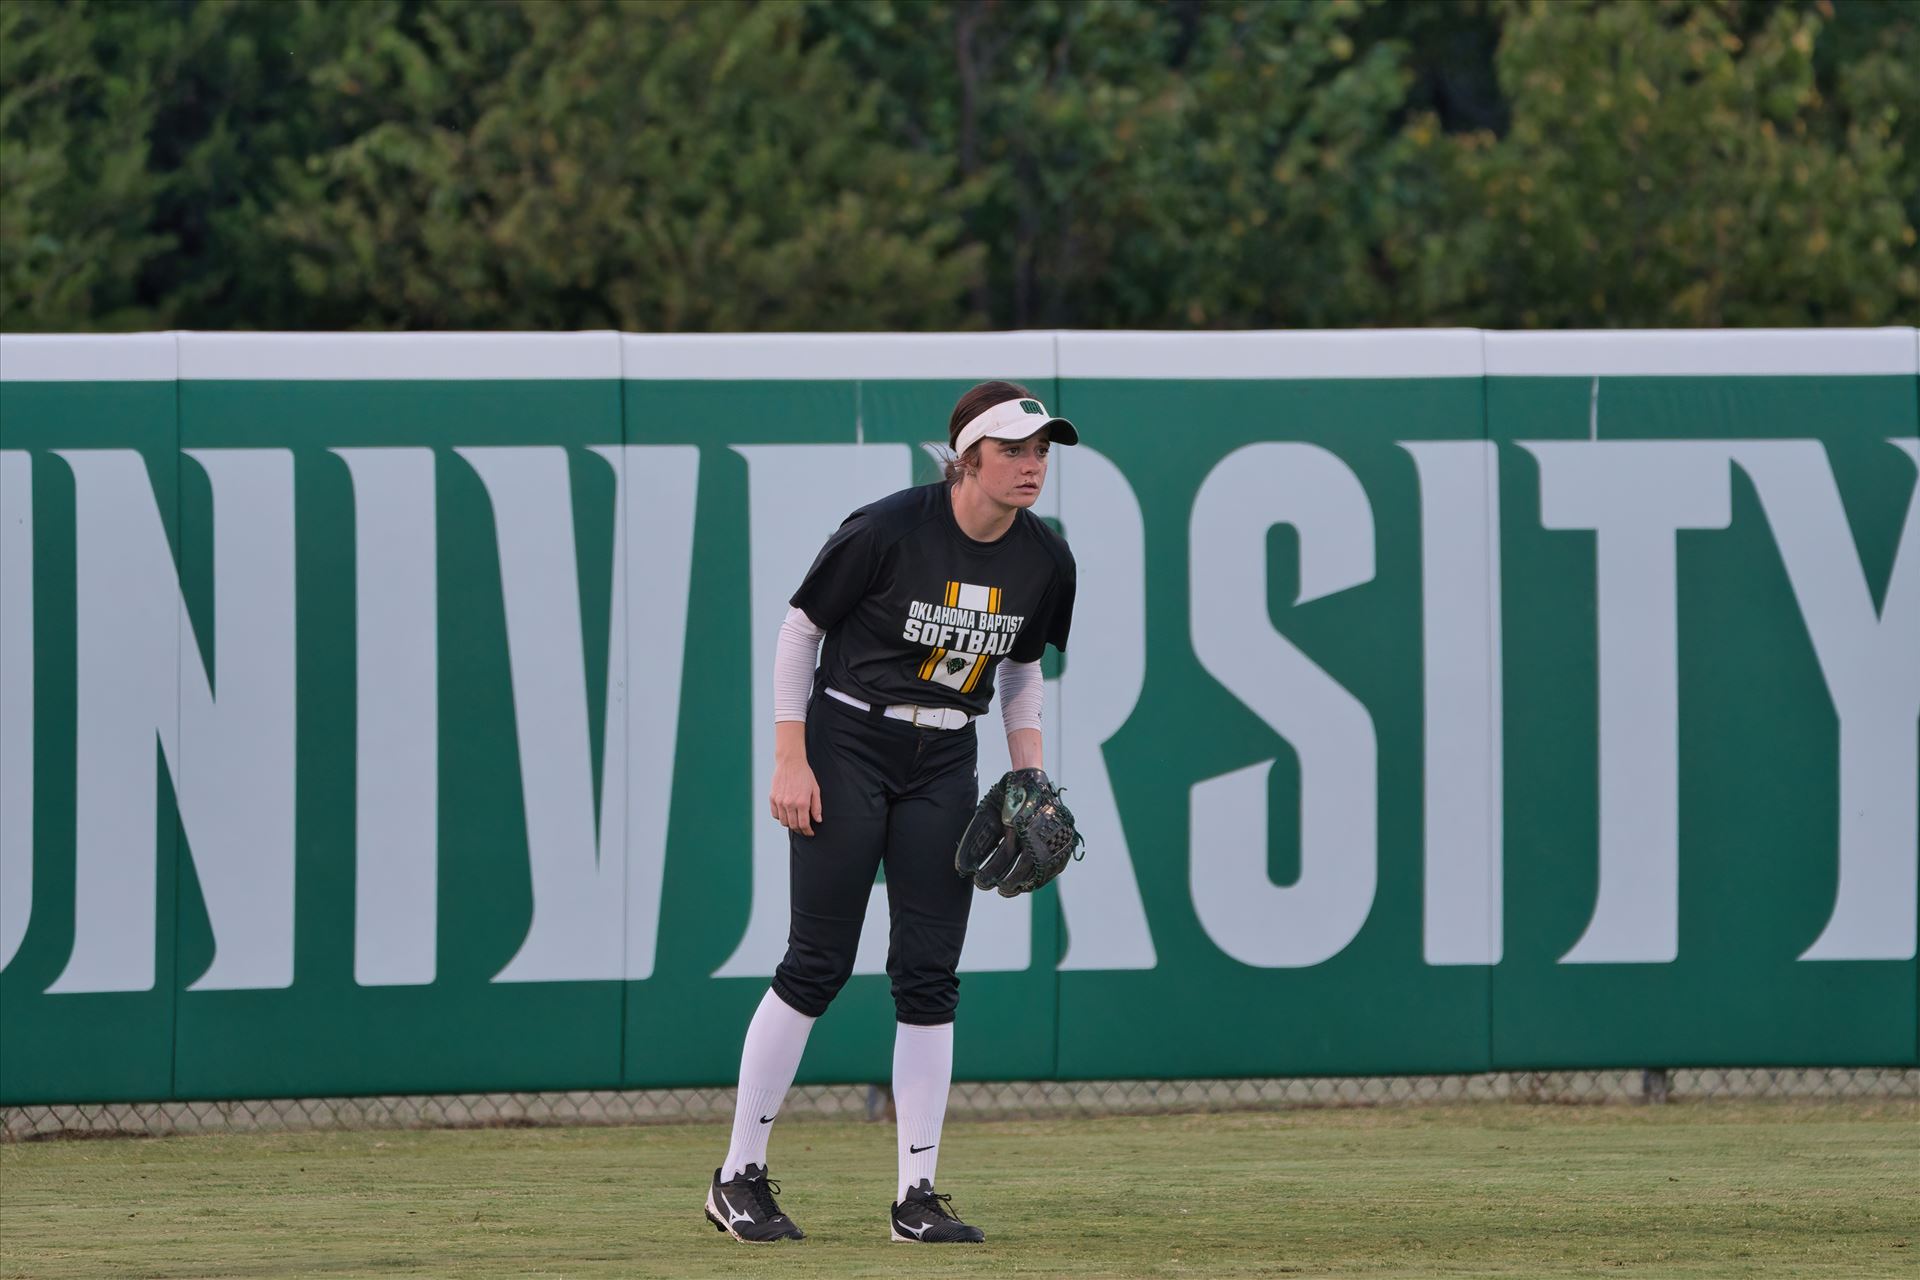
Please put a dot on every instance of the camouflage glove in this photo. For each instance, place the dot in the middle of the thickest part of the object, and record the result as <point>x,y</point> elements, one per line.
<point>1020,837</point>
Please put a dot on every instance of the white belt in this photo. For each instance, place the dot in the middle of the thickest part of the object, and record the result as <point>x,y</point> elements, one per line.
<point>920,717</point>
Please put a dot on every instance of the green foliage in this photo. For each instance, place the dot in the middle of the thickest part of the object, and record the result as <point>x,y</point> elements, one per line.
<point>1059,115</point>
<point>1868,65</point>
<point>935,164</point>
<point>1296,175</point>
<point>138,146</point>
<point>75,186</point>
<point>660,167</point>
<point>1663,169</point>
<point>1151,165</point>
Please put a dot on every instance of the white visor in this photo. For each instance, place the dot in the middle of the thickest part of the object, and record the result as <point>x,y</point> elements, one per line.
<point>1015,420</point>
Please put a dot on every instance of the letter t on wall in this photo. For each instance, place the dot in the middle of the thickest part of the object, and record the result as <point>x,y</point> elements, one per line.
<point>1635,496</point>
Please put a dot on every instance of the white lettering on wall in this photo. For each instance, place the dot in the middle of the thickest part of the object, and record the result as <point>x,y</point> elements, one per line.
<point>1245,913</point>
<point>1871,662</point>
<point>228,739</point>
<point>1636,496</point>
<point>1100,900</point>
<point>397,717</point>
<point>126,670</point>
<point>16,699</point>
<point>226,727</point>
<point>1460,609</point>
<point>592,883</point>
<point>577,872</point>
<point>237,736</point>
<point>652,578</point>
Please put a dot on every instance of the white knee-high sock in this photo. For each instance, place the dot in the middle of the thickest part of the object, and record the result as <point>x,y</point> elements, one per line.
<point>776,1038</point>
<point>922,1076</point>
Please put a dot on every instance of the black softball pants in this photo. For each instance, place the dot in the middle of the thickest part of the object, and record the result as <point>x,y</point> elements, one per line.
<point>894,794</point>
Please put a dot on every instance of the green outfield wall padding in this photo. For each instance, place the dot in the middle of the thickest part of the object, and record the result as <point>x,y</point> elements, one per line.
<point>392,713</point>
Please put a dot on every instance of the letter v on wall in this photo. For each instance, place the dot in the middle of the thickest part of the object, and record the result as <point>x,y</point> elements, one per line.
<point>596,884</point>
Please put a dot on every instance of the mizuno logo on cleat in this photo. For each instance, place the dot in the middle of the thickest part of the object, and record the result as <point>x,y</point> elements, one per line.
<point>732,1215</point>
<point>917,1150</point>
<point>918,1232</point>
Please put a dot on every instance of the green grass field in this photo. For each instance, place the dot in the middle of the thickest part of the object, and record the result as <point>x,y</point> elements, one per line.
<point>1499,1189</point>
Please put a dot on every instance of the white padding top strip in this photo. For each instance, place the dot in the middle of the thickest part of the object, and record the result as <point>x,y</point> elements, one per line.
<point>1026,356</point>
<point>398,357</point>
<point>1275,353</point>
<point>974,357</point>
<point>73,357</point>
<point>1702,352</point>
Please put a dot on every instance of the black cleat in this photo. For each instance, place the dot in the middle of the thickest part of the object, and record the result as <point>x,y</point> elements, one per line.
<point>744,1208</point>
<point>926,1218</point>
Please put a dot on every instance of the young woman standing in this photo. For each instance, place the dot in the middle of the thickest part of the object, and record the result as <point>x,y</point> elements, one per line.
<point>927,600</point>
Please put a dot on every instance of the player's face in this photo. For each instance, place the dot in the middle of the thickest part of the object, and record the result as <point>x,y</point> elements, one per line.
<point>1013,472</point>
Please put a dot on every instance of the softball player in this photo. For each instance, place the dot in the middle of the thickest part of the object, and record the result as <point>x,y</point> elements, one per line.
<point>926,600</point>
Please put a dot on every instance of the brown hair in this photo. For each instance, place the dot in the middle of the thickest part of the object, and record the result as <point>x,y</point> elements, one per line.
<point>969,406</point>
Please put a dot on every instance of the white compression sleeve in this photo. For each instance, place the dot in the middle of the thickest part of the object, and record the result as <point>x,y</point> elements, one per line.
<point>1021,691</point>
<point>794,658</point>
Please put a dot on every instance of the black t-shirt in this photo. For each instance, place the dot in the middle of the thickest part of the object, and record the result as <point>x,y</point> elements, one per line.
<point>915,611</point>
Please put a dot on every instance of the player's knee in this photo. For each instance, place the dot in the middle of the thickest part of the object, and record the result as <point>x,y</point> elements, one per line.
<point>810,988</point>
<point>923,1011</point>
<point>925,998</point>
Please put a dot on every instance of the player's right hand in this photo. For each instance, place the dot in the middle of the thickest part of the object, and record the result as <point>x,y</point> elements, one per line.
<point>795,799</point>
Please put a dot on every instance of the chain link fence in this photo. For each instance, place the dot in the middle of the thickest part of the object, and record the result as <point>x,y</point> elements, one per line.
<point>1031,1100</point>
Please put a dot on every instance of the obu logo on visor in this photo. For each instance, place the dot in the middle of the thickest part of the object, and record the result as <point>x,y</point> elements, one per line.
<point>1031,406</point>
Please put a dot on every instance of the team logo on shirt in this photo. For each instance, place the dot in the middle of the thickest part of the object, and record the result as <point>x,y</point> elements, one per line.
<point>962,633</point>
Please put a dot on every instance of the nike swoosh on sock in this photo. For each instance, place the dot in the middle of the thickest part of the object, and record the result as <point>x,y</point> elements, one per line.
<point>917,1150</point>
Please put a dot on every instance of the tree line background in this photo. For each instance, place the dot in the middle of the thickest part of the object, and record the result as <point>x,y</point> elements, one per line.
<point>956,164</point>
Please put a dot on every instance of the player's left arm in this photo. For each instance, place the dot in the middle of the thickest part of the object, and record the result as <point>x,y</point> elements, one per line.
<point>1021,691</point>
<point>1023,745</point>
